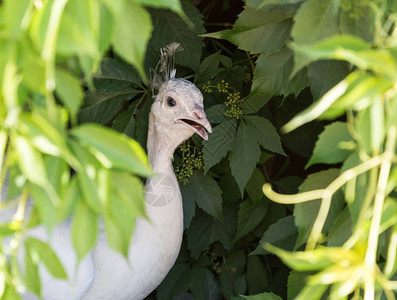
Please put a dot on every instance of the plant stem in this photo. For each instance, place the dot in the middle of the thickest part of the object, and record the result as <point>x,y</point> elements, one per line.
<point>370,257</point>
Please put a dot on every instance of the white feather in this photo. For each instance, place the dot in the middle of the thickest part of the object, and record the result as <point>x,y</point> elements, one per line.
<point>165,69</point>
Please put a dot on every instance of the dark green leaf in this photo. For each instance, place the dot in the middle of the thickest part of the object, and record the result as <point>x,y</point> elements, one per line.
<point>282,234</point>
<point>254,186</point>
<point>206,193</point>
<point>189,204</point>
<point>206,229</point>
<point>232,271</point>
<point>316,17</point>
<point>176,281</point>
<point>265,133</point>
<point>323,75</point>
<point>245,155</point>
<point>341,230</point>
<point>220,142</point>
<point>272,75</point>
<point>250,214</point>
<point>101,108</point>
<point>257,275</point>
<point>169,27</point>
<point>258,31</point>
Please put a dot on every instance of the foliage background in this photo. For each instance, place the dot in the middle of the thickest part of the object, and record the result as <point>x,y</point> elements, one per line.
<point>259,64</point>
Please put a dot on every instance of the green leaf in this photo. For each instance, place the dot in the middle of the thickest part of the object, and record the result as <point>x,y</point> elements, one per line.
<point>206,193</point>
<point>269,4</point>
<point>173,5</point>
<point>169,27</point>
<point>263,296</point>
<point>115,238</point>
<point>317,17</point>
<point>189,204</point>
<point>115,76</point>
<point>257,275</point>
<point>176,281</point>
<point>68,89</point>
<point>88,178</point>
<point>206,229</point>
<point>360,24</point>
<point>232,272</point>
<point>102,107</point>
<point>250,214</point>
<point>254,103</point>
<point>132,47</point>
<point>32,279</point>
<point>112,149</point>
<point>306,213</point>
<point>272,75</point>
<point>254,186</point>
<point>125,205</point>
<point>45,136</point>
<point>200,279</point>
<point>282,234</point>
<point>341,230</point>
<point>349,48</point>
<point>84,230</point>
<point>312,260</point>
<point>370,126</point>
<point>329,147</point>
<point>220,142</point>
<point>265,133</point>
<point>30,161</point>
<point>16,15</point>
<point>245,155</point>
<point>47,256</point>
<point>323,75</point>
<point>296,281</point>
<point>258,31</point>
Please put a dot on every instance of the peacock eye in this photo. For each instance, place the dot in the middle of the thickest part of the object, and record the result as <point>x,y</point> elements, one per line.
<point>171,102</point>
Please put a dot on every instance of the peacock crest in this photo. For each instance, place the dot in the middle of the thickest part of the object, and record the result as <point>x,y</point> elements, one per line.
<point>165,69</point>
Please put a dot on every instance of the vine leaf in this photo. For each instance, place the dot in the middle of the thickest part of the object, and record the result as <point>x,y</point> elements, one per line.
<point>250,214</point>
<point>306,213</point>
<point>265,133</point>
<point>169,27</point>
<point>272,75</point>
<point>245,155</point>
<point>282,234</point>
<point>317,17</point>
<point>328,147</point>
<point>220,142</point>
<point>253,130</point>
<point>258,31</point>
<point>206,193</point>
<point>206,229</point>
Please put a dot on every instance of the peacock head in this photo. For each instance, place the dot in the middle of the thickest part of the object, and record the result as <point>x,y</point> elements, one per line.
<point>178,104</point>
<point>179,108</point>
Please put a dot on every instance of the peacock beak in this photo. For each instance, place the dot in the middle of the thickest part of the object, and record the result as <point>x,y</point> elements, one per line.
<point>198,122</point>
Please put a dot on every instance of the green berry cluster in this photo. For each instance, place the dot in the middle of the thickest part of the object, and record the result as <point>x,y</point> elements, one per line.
<point>215,261</point>
<point>192,159</point>
<point>354,7</point>
<point>234,102</point>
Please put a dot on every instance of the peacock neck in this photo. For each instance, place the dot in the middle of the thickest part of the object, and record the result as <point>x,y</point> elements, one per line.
<point>160,147</point>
